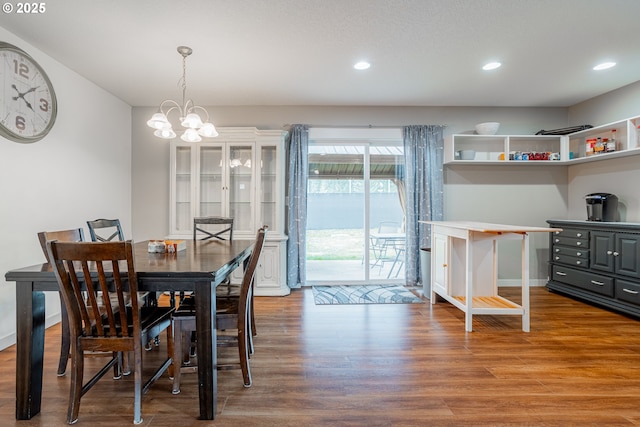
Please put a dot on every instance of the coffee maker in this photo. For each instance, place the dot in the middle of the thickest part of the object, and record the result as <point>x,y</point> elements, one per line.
<point>601,207</point>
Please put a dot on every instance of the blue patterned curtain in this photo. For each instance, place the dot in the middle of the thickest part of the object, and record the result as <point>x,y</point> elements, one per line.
<point>298,173</point>
<point>423,156</point>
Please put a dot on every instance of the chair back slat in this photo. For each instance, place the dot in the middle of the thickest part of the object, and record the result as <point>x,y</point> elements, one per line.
<point>105,226</point>
<point>226,226</point>
<point>94,267</point>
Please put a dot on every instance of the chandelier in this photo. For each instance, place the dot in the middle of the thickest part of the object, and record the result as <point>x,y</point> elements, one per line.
<point>194,126</point>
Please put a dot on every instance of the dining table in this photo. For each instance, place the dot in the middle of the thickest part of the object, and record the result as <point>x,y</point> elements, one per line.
<point>198,268</point>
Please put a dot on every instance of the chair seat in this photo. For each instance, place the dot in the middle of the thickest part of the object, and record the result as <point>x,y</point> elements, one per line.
<point>150,317</point>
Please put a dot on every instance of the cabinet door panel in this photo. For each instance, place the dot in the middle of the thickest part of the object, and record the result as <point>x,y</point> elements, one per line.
<point>211,181</point>
<point>628,254</point>
<point>439,263</point>
<point>241,162</point>
<point>602,246</point>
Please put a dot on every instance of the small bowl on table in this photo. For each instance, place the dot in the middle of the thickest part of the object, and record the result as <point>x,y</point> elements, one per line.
<point>488,128</point>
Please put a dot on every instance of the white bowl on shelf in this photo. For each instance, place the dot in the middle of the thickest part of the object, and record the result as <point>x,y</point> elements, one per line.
<point>467,155</point>
<point>488,128</point>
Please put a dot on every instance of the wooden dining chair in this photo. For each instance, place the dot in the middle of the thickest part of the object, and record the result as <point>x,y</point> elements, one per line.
<point>73,235</point>
<point>114,326</point>
<point>230,315</point>
<point>105,230</point>
<point>213,227</point>
<point>108,230</point>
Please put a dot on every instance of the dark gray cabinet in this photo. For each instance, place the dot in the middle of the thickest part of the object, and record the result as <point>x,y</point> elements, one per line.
<point>598,262</point>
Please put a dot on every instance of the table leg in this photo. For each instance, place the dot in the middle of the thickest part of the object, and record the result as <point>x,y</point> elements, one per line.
<point>525,283</point>
<point>468,318</point>
<point>206,347</point>
<point>30,324</point>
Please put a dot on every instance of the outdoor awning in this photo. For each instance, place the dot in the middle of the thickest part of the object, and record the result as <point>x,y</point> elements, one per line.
<point>344,162</point>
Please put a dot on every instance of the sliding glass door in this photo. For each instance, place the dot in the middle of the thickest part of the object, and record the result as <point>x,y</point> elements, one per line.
<point>355,219</point>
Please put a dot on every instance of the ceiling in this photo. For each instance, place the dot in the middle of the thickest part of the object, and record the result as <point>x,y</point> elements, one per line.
<point>301,52</point>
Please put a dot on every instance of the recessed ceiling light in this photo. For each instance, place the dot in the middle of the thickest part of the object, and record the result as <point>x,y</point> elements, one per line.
<point>604,66</point>
<point>491,66</point>
<point>362,65</point>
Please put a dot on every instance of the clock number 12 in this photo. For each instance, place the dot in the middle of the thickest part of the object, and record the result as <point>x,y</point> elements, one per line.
<point>21,69</point>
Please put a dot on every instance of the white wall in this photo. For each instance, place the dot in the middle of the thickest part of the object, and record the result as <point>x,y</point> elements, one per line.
<point>618,176</point>
<point>80,171</point>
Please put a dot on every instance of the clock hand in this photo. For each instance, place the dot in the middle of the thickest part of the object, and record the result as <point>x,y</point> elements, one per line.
<point>21,95</point>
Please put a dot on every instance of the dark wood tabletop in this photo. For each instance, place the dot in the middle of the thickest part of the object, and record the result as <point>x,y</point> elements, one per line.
<point>199,268</point>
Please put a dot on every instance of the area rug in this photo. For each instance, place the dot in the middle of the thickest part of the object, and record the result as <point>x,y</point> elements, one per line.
<point>367,294</point>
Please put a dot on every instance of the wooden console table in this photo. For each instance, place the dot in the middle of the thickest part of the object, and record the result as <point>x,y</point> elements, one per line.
<point>464,267</point>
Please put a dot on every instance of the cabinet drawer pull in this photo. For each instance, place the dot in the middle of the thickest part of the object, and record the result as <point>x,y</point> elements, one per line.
<point>560,273</point>
<point>579,234</point>
<point>630,291</point>
<point>597,283</point>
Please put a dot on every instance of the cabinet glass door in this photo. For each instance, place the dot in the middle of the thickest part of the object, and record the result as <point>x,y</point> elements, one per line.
<point>183,189</point>
<point>211,181</point>
<point>268,187</point>
<point>241,165</point>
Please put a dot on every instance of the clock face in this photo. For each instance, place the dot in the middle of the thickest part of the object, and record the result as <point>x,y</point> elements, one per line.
<point>28,103</point>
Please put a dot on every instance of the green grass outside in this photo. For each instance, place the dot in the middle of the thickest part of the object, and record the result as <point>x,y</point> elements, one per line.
<point>326,245</point>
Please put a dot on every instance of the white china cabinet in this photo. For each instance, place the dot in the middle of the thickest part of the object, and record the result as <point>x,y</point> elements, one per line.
<point>239,174</point>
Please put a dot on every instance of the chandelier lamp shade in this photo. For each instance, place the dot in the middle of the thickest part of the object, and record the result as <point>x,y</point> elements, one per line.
<point>194,127</point>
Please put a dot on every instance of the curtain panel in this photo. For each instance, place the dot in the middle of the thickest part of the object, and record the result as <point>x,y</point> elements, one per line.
<point>298,173</point>
<point>424,154</point>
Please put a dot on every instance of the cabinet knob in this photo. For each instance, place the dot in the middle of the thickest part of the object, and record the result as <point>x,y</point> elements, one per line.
<point>578,253</point>
<point>616,254</point>
<point>609,252</point>
<point>557,240</point>
<point>557,250</point>
<point>578,243</point>
<point>579,234</point>
<point>557,258</point>
<point>444,265</point>
<point>578,262</point>
<point>557,232</point>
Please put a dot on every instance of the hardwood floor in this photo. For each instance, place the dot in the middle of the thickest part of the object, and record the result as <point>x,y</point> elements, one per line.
<point>389,365</point>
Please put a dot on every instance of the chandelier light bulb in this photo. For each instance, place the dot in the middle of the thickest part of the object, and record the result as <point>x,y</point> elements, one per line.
<point>191,135</point>
<point>167,133</point>
<point>192,121</point>
<point>208,130</point>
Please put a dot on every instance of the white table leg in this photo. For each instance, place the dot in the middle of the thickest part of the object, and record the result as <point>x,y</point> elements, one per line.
<point>468,279</point>
<point>525,282</point>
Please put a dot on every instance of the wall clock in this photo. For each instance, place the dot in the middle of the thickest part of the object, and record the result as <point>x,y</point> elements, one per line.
<point>28,104</point>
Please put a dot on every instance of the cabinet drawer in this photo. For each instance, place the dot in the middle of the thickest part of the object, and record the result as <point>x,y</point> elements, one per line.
<point>570,251</point>
<point>571,260</point>
<point>571,241</point>
<point>628,291</point>
<point>583,279</point>
<point>573,233</point>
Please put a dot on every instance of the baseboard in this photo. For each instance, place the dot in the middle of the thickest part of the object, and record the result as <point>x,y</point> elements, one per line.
<point>9,340</point>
